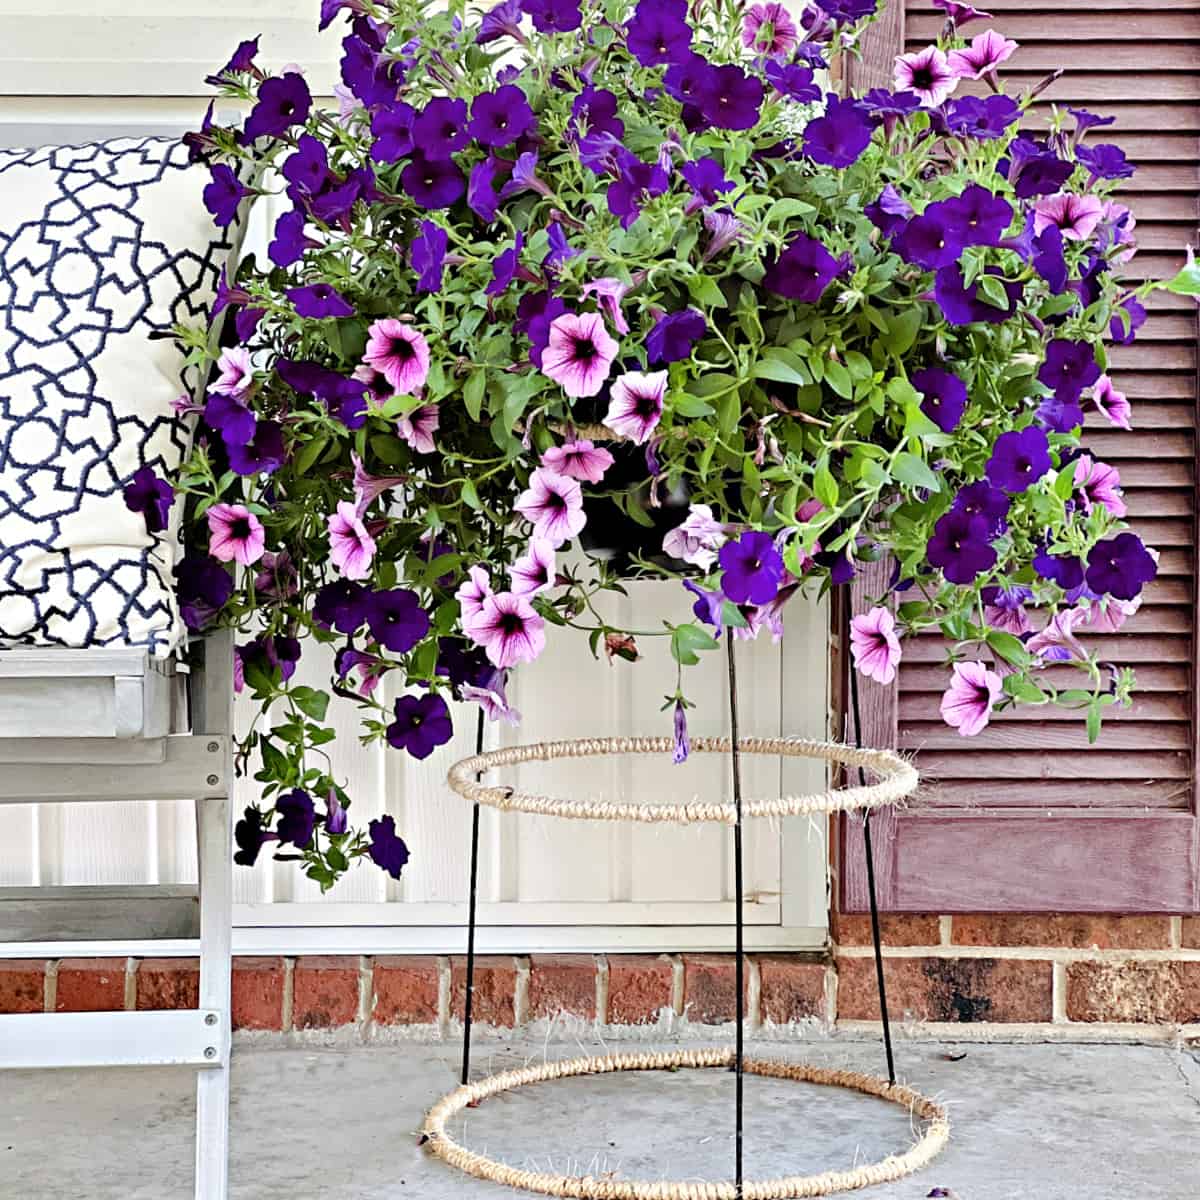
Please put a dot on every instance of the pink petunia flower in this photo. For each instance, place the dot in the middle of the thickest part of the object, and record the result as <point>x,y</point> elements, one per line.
<point>1121,223</point>
<point>508,629</point>
<point>351,547</point>
<point>398,352</point>
<point>1056,641</point>
<point>609,294</point>
<point>769,29</point>
<point>985,53</point>
<point>1099,483</point>
<point>579,353</point>
<point>968,702</point>
<point>493,699</point>
<point>697,539</point>
<point>1075,216</point>
<point>875,645</point>
<point>533,572</point>
<point>636,404</point>
<point>554,505</point>
<point>579,459</point>
<point>418,428</point>
<point>472,592</point>
<point>370,667</point>
<point>926,72</point>
<point>368,488</point>
<point>1111,404</point>
<point>1105,615</point>
<point>237,375</point>
<point>235,534</point>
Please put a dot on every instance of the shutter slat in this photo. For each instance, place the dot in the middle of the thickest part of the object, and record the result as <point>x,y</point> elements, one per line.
<point>919,680</point>
<point>1006,793</point>
<point>1026,26</point>
<point>1099,764</point>
<point>924,706</point>
<point>1031,734</point>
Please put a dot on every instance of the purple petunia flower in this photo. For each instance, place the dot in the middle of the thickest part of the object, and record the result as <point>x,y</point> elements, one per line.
<point>505,265</point>
<point>943,397</point>
<point>959,14</point>
<point>553,16</point>
<point>269,654</point>
<point>889,212</point>
<point>502,21</point>
<point>674,335</point>
<point>658,32</point>
<point>368,77</point>
<point>840,135</point>
<point>427,254</point>
<point>1004,608</point>
<point>709,607</point>
<point>1019,459</point>
<point>240,62</point>
<point>707,180</point>
<point>636,405</point>
<point>391,129</point>
<point>1120,567</point>
<point>687,79</point>
<point>1105,161</point>
<point>681,747</point>
<point>386,850</point>
<point>282,102</point>
<point>297,818</point>
<point>263,454</point>
<point>440,128</point>
<point>508,628</point>
<point>498,118</point>
<point>984,501</point>
<point>802,272</point>
<point>536,313</point>
<point>847,12</point>
<point>1035,170</point>
<point>432,183</point>
<point>223,194</point>
<point>336,821</point>
<point>769,29</point>
<point>1069,367</point>
<point>203,587</point>
<point>1129,317</point>
<point>1062,569</point>
<point>341,605</point>
<point>307,168</point>
<point>639,181</point>
<point>930,240</point>
<point>396,619</point>
<point>978,216</point>
<point>560,249</point>
<point>145,493</point>
<point>752,569</point>
<point>793,80</point>
<point>985,118</point>
<point>578,353</point>
<point>235,534</point>
<point>731,99</point>
<point>960,546</point>
<point>318,301</point>
<point>961,305</point>
<point>968,702</point>
<point>926,72</point>
<point>289,243</point>
<point>534,571</point>
<point>1048,259</point>
<point>250,837</point>
<point>980,59</point>
<point>553,505</point>
<point>482,197</point>
<point>1058,415</point>
<point>595,111</point>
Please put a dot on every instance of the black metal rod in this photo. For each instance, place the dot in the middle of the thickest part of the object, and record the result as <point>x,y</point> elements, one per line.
<point>468,1004</point>
<point>875,935</point>
<point>738,888</point>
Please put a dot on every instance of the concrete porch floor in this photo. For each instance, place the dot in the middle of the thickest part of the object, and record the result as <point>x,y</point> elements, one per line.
<point>1031,1122</point>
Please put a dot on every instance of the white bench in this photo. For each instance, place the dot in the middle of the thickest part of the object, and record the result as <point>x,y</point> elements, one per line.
<point>101,725</point>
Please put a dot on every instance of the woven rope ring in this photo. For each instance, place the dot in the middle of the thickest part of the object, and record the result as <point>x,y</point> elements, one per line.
<point>895,779</point>
<point>588,1187</point>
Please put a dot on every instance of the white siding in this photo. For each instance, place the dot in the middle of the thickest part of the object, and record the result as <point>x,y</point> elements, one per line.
<point>76,71</point>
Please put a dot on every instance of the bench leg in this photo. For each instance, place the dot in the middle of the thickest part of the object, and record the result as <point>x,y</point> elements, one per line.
<point>216,917</point>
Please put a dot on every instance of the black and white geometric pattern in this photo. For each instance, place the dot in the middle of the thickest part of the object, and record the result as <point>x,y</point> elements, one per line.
<point>100,245</point>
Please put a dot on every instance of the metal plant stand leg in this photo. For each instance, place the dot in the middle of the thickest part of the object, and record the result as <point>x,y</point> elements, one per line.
<point>468,1003</point>
<point>875,936</point>
<point>739,974</point>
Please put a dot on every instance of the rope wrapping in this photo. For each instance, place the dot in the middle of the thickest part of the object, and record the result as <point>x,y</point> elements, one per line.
<point>896,779</point>
<point>589,1187</point>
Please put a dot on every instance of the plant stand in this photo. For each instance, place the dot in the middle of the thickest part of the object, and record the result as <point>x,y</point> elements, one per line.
<point>896,779</point>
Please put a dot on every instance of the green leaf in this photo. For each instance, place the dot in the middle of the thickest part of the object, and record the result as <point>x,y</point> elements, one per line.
<point>902,330</point>
<point>1094,712</point>
<point>825,487</point>
<point>859,366</point>
<point>687,640</point>
<point>473,393</point>
<point>310,702</point>
<point>839,379</point>
<point>1010,648</point>
<point>309,453</point>
<point>470,496</point>
<point>1024,690</point>
<point>787,207</point>
<point>782,366</point>
<point>992,290</point>
<point>1186,282</point>
<point>910,469</point>
<point>704,290</point>
<point>684,404</point>
<point>1064,485</point>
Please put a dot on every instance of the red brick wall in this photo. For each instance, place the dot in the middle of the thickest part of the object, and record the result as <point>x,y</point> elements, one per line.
<point>1059,971</point>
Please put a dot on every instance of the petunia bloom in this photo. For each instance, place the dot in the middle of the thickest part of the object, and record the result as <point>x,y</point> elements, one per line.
<point>472,592</point>
<point>943,397</point>
<point>1120,566</point>
<point>840,135</point>
<point>282,102</point>
<point>508,629</point>
<point>400,353</point>
<point>318,301</point>
<point>1075,216</point>
<point>427,254</point>
<point>203,588</point>
<point>499,118</point>
<point>609,293</point>
<point>418,427</point>
<point>578,353</point>
<point>1069,367</point>
<point>396,619</point>
<point>297,818</point>
<point>982,500</point>
<point>751,567</point>
<point>1111,404</point>
<point>351,547</point>
<point>961,546</point>
<point>674,335</point>
<point>658,33</point>
<point>223,194</point>
<point>681,746</point>
<point>534,571</point>
<point>385,849</point>
<point>237,375</point>
<point>926,72</point>
<point>636,404</point>
<point>874,644</point>
<point>1019,459</point>
<point>553,504</point>
<point>235,534</point>
<point>958,14</point>
<point>803,271</point>
<point>769,29</point>
<point>432,182</point>
<point>145,493</point>
<point>263,454</point>
<point>697,539</point>
<point>1004,608</point>
<point>1099,483</point>
<point>981,58</point>
<point>579,459</point>
<point>968,702</point>
<point>731,99</point>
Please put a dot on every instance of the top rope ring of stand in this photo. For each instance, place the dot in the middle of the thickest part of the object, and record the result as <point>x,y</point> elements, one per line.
<point>895,780</point>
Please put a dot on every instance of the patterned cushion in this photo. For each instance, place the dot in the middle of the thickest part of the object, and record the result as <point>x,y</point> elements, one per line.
<point>99,247</point>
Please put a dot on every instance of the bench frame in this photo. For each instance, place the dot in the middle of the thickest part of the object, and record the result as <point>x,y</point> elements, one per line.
<point>119,748</point>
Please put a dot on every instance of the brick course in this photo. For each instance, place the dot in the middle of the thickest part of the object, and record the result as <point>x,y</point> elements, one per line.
<point>495,991</point>
<point>258,987</point>
<point>1062,929</point>
<point>90,985</point>
<point>406,990</point>
<point>639,988</point>
<point>1148,993</point>
<point>564,983</point>
<point>22,985</point>
<point>325,992</point>
<point>168,983</point>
